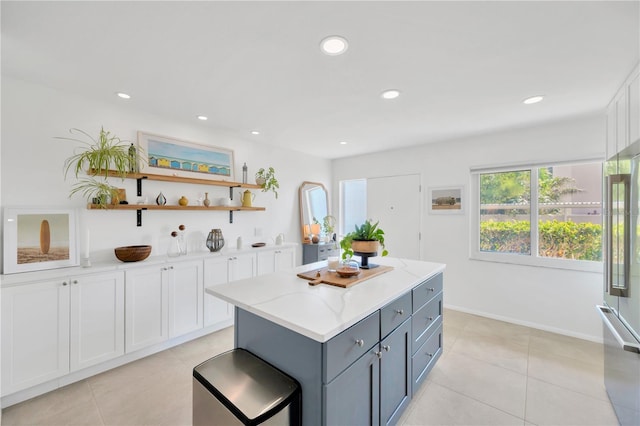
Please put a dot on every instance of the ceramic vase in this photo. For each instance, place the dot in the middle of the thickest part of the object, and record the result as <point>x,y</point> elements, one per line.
<point>206,201</point>
<point>161,200</point>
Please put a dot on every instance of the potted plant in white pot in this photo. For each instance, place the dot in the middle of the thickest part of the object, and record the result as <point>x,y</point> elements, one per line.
<point>267,180</point>
<point>97,158</point>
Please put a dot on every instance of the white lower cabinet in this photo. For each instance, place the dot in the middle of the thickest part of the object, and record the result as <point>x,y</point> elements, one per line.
<point>53,327</point>
<point>270,261</point>
<point>221,270</point>
<point>162,301</point>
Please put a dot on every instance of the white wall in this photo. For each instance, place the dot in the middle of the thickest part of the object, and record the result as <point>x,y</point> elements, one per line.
<point>552,299</point>
<point>32,171</point>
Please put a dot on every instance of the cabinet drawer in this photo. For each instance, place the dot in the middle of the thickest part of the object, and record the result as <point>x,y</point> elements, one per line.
<point>425,291</point>
<point>425,358</point>
<point>423,321</point>
<point>325,252</point>
<point>341,351</point>
<point>394,314</point>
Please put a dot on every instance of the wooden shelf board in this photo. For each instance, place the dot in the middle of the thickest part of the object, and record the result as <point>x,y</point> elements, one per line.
<point>171,207</point>
<point>180,179</point>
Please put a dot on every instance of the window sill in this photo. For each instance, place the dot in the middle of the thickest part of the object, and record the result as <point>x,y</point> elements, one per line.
<point>539,262</point>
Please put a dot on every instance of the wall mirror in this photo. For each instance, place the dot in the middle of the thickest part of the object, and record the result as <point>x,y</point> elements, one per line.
<point>314,203</point>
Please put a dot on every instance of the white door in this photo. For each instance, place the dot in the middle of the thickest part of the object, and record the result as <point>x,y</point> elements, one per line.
<point>395,202</point>
<point>186,291</point>
<point>216,271</point>
<point>146,307</point>
<point>35,334</point>
<point>97,319</point>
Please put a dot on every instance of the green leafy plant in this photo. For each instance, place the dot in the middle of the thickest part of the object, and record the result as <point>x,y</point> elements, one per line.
<point>328,224</point>
<point>267,179</point>
<point>97,157</point>
<point>559,239</point>
<point>365,232</point>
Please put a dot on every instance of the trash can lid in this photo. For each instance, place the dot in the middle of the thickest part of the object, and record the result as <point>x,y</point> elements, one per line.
<point>247,383</point>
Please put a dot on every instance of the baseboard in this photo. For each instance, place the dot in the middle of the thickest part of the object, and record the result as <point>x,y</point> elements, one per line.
<point>526,323</point>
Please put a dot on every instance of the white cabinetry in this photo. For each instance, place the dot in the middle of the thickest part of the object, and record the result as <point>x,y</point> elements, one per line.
<point>221,270</point>
<point>53,327</point>
<point>270,261</point>
<point>162,301</point>
<point>623,115</point>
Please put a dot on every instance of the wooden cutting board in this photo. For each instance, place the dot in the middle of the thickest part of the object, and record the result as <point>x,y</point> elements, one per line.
<point>323,275</point>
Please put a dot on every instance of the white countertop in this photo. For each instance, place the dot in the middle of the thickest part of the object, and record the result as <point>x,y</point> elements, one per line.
<point>321,312</point>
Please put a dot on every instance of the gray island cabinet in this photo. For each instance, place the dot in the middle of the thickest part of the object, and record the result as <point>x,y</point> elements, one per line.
<point>359,353</point>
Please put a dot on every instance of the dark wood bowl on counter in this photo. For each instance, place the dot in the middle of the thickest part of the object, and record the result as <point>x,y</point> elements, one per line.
<point>132,253</point>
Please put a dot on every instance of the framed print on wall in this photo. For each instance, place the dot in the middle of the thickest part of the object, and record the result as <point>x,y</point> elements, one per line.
<point>447,200</point>
<point>173,157</point>
<point>39,238</point>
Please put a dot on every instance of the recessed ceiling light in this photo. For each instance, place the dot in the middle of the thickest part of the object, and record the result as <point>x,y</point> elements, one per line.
<point>343,142</point>
<point>334,45</point>
<point>533,100</point>
<point>390,94</point>
<point>123,95</point>
<point>255,132</point>
<point>202,117</point>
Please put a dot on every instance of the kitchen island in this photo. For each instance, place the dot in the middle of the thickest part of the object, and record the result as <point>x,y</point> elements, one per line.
<point>359,353</point>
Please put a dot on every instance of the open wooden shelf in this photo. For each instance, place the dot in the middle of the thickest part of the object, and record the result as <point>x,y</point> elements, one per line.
<point>171,207</point>
<point>180,179</point>
<point>139,177</point>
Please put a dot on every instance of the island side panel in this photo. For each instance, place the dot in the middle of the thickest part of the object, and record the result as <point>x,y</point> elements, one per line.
<point>295,354</point>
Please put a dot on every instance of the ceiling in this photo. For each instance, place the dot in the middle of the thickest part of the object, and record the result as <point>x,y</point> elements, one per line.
<point>462,67</point>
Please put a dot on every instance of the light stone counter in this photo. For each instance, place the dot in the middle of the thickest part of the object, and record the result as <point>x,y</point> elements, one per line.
<point>321,312</point>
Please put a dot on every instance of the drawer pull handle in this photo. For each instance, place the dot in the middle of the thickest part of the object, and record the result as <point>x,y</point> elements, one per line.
<point>359,342</point>
<point>64,283</point>
<point>430,318</point>
<point>386,348</point>
<point>431,289</point>
<point>74,282</point>
<point>430,355</point>
<point>400,311</point>
<point>379,354</point>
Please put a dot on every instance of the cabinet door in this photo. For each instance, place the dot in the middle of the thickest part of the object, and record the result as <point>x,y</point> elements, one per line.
<point>353,397</point>
<point>395,374</point>
<point>266,262</point>
<point>35,334</point>
<point>146,307</point>
<point>97,319</point>
<point>634,107</point>
<point>242,266</point>
<point>612,122</point>
<point>216,271</point>
<point>285,258</point>
<point>622,111</point>
<point>186,291</point>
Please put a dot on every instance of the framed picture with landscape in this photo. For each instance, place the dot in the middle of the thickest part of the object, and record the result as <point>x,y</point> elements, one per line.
<point>174,157</point>
<point>446,200</point>
<point>39,238</point>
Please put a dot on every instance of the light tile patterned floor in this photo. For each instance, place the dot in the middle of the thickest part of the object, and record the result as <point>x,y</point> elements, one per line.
<point>490,373</point>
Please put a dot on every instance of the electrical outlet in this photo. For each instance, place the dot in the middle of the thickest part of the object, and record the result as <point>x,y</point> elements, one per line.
<point>257,232</point>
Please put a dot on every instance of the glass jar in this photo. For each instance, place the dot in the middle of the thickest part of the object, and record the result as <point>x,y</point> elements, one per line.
<point>215,240</point>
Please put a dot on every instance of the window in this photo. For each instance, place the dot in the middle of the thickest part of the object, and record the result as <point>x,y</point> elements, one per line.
<point>353,202</point>
<point>547,215</point>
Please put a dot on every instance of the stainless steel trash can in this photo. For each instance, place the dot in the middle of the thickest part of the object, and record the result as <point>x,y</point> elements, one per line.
<point>238,388</point>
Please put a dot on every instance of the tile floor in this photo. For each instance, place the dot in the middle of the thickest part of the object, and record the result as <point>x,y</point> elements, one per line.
<point>490,373</point>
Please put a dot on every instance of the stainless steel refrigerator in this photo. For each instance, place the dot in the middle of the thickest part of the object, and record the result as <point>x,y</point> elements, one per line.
<point>620,311</point>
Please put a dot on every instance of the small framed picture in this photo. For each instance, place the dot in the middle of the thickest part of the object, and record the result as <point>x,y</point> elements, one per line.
<point>447,200</point>
<point>39,238</point>
<point>174,157</point>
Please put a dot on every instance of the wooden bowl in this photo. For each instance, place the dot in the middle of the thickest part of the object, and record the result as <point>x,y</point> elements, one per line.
<point>132,253</point>
<point>347,272</point>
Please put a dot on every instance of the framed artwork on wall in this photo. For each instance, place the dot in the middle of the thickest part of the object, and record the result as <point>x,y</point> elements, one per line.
<point>446,200</point>
<point>39,238</point>
<point>173,157</point>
